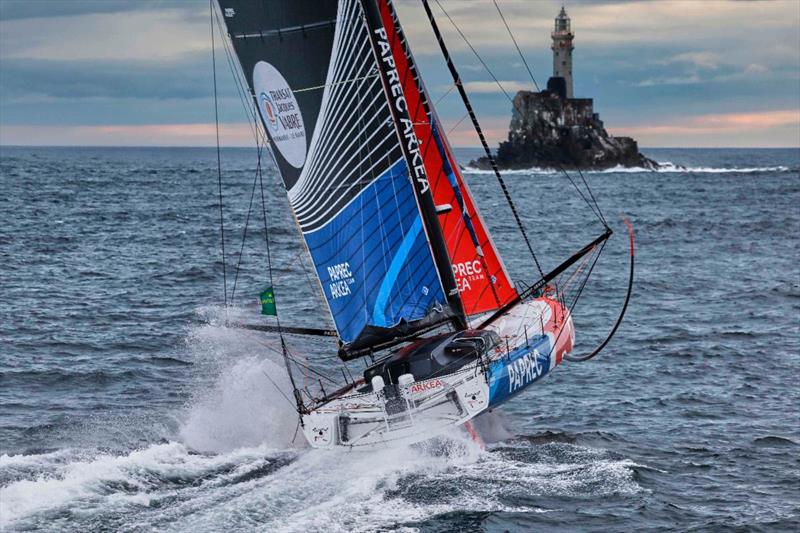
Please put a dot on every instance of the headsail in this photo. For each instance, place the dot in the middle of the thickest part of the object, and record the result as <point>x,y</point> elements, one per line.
<point>314,78</point>
<point>482,280</point>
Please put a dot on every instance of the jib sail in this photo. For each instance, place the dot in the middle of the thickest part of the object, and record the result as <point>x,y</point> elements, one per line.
<point>482,280</point>
<point>355,192</point>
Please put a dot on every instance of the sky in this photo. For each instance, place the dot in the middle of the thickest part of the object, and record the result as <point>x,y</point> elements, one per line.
<point>684,73</point>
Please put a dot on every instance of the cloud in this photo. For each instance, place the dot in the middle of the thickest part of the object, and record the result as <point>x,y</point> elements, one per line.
<point>82,64</point>
<point>754,69</point>
<point>601,23</point>
<point>36,9</point>
<point>722,74</point>
<point>231,134</point>
<point>751,121</point>
<point>670,80</point>
<point>137,35</point>
<point>186,78</point>
<point>757,128</point>
<point>704,59</point>
<point>489,87</point>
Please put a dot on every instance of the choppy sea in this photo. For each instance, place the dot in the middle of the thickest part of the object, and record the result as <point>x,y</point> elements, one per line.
<point>127,405</point>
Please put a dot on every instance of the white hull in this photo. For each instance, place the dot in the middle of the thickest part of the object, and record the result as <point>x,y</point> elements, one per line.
<point>536,340</point>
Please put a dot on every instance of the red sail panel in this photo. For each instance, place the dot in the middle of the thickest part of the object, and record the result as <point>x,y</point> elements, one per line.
<point>482,280</point>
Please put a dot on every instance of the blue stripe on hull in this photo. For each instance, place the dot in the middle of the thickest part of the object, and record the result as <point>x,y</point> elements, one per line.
<point>523,366</point>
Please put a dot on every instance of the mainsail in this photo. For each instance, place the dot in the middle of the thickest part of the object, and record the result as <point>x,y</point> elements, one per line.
<point>482,280</point>
<point>345,162</point>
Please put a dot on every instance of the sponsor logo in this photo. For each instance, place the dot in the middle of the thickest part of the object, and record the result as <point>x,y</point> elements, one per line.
<point>320,434</point>
<point>474,399</point>
<point>341,278</point>
<point>399,102</point>
<point>281,113</point>
<point>426,386</point>
<point>523,371</point>
<point>229,12</point>
<point>268,111</point>
<point>466,273</point>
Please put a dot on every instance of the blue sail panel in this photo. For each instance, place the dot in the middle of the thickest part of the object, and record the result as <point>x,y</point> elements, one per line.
<point>373,259</point>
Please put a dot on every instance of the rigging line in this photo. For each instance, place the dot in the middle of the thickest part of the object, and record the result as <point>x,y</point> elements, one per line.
<point>219,159</point>
<point>240,84</point>
<point>284,349</point>
<point>246,225</point>
<point>457,80</point>
<point>457,124</point>
<point>292,358</point>
<point>449,90</point>
<point>580,192</point>
<point>567,284</point>
<point>334,84</point>
<point>469,44</point>
<point>500,85</point>
<point>621,315</point>
<point>599,213</point>
<point>300,257</point>
<point>524,62</point>
<point>571,291</point>
<point>586,278</point>
<point>278,389</point>
<point>602,217</point>
<point>312,370</point>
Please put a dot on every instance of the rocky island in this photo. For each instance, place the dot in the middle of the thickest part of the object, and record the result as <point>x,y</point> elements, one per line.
<point>551,129</point>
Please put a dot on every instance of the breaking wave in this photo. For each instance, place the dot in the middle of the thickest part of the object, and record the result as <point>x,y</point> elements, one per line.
<point>666,167</point>
<point>234,460</point>
<point>169,486</point>
<point>246,404</point>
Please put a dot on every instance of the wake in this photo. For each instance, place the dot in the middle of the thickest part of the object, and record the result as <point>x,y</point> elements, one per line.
<point>236,462</point>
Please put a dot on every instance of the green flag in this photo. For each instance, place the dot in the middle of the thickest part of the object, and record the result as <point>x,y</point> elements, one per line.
<point>268,302</point>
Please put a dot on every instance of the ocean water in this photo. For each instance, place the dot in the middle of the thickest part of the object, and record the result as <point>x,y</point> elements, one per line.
<point>127,405</point>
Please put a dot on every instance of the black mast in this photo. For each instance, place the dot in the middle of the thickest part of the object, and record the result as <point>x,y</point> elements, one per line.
<point>429,112</point>
<point>410,147</point>
<point>457,81</point>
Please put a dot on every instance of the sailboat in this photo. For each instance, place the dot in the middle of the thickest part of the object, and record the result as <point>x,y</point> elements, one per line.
<point>409,273</point>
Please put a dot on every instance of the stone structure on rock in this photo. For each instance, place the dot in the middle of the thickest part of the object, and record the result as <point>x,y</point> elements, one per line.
<point>562,50</point>
<point>551,129</point>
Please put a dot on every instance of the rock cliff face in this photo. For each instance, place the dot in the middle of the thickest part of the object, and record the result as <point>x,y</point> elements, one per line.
<point>547,131</point>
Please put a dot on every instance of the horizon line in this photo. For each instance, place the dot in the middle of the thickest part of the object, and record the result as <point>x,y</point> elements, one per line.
<point>211,146</point>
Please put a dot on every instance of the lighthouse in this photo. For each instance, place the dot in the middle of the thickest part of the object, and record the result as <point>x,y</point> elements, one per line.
<point>562,51</point>
<point>552,129</point>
